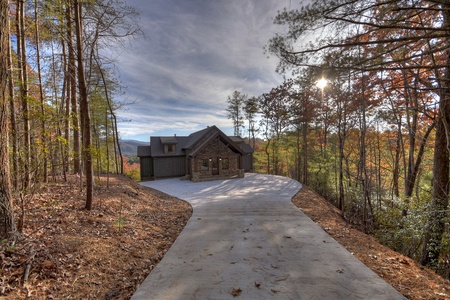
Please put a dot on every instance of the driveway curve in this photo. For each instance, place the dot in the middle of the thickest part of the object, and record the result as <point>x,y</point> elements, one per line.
<point>246,240</point>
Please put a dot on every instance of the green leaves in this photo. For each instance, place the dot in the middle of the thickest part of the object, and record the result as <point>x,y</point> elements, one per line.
<point>120,223</point>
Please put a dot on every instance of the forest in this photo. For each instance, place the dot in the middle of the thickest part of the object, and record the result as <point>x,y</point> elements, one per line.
<point>362,117</point>
<point>58,85</point>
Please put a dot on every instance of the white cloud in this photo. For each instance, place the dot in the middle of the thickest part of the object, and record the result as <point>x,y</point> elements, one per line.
<point>194,55</point>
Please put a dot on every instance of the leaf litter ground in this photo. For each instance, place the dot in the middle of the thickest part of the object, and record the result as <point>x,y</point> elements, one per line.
<point>68,252</point>
<point>105,253</point>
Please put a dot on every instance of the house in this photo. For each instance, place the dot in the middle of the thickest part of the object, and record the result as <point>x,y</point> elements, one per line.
<point>207,154</point>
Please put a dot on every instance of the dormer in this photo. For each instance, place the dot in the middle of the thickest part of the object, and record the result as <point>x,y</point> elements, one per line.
<point>169,144</point>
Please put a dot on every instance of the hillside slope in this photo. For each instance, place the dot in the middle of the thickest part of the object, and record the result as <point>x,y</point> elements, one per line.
<point>66,252</point>
<point>129,147</point>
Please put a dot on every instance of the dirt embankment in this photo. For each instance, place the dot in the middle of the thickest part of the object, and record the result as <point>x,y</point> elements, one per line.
<point>106,253</point>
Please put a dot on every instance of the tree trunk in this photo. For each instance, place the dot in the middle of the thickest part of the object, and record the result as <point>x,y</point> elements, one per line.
<point>13,123</point>
<point>367,216</point>
<point>410,182</point>
<point>55,71</point>
<point>253,137</point>
<point>65,104</point>
<point>341,135</point>
<point>72,89</point>
<point>435,227</point>
<point>6,209</point>
<point>436,223</point>
<point>113,115</point>
<point>84,110</point>
<point>266,149</point>
<point>396,171</point>
<point>399,148</point>
<point>41,95</point>
<point>22,58</point>
<point>115,148</point>
<point>305,152</point>
<point>23,164</point>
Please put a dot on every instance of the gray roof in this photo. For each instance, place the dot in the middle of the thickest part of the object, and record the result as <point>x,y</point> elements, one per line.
<point>246,148</point>
<point>144,151</point>
<point>204,136</point>
<point>236,139</point>
<point>170,140</point>
<point>193,142</point>
<point>194,137</point>
<point>158,146</point>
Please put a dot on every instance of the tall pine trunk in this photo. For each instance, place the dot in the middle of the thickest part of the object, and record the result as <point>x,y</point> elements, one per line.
<point>84,110</point>
<point>13,123</point>
<point>22,59</point>
<point>72,92</point>
<point>41,95</point>
<point>23,90</point>
<point>6,210</point>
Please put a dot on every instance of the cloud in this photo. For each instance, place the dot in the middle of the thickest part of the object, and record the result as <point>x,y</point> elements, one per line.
<point>193,56</point>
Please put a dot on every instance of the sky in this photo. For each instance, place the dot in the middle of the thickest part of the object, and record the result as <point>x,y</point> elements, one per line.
<point>192,55</point>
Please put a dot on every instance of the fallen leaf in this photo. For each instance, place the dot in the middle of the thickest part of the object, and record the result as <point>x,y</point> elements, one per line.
<point>236,292</point>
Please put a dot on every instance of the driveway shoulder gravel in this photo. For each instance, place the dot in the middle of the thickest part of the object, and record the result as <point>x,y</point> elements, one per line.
<point>246,240</point>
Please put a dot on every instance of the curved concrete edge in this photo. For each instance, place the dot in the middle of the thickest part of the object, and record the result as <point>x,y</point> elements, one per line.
<point>246,235</point>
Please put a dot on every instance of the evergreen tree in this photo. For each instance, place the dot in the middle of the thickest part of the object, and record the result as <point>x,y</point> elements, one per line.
<point>235,108</point>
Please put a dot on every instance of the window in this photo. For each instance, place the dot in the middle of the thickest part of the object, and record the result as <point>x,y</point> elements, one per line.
<point>169,148</point>
<point>205,165</point>
<point>225,164</point>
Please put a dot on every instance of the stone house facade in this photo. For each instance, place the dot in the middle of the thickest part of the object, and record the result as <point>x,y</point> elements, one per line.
<point>204,155</point>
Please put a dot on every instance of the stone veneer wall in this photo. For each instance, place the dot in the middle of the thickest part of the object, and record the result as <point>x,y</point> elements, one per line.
<point>214,150</point>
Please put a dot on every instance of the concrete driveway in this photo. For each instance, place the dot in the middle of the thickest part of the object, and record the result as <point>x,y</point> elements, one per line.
<point>246,240</point>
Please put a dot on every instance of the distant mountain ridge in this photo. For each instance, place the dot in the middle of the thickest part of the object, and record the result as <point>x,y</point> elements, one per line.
<point>129,147</point>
